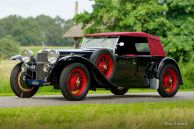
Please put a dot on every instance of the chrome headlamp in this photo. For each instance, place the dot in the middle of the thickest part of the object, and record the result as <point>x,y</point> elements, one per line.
<point>52,56</point>
<point>27,55</point>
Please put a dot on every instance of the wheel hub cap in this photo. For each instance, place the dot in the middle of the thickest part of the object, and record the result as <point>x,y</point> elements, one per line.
<point>78,82</point>
<point>105,67</point>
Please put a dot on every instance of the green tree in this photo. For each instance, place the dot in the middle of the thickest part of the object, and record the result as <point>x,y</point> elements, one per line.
<point>8,47</point>
<point>52,29</point>
<point>8,23</point>
<point>27,31</point>
<point>172,20</point>
<point>32,31</point>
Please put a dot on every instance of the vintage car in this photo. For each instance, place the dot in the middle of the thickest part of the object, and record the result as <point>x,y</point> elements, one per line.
<point>115,61</point>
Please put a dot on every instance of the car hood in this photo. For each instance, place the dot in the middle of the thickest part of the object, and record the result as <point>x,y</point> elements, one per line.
<point>81,52</point>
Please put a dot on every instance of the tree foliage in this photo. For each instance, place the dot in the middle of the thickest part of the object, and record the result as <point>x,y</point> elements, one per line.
<point>172,20</point>
<point>32,31</point>
<point>8,47</point>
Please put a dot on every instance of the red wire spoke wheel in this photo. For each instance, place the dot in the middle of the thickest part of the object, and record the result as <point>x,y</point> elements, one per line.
<point>169,80</point>
<point>75,81</point>
<point>105,64</point>
<point>104,61</point>
<point>169,83</point>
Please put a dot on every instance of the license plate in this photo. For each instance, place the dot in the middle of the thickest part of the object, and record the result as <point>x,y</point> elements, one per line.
<point>36,83</point>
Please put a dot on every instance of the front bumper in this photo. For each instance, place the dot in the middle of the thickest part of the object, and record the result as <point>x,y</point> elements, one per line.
<point>32,82</point>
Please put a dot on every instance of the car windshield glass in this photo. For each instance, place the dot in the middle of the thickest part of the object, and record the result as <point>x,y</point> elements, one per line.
<point>99,42</point>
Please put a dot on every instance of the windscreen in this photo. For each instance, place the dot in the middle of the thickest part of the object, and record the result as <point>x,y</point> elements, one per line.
<point>99,42</point>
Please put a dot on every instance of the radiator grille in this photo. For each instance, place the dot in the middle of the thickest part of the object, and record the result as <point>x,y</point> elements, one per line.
<point>42,57</point>
<point>41,60</point>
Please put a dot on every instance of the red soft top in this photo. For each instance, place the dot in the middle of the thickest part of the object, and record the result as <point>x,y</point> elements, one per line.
<point>155,45</point>
<point>135,34</point>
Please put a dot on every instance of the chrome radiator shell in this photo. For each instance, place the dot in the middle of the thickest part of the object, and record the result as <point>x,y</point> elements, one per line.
<point>41,60</point>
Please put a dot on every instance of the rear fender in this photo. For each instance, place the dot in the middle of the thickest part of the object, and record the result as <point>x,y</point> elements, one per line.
<point>165,61</point>
<point>153,70</point>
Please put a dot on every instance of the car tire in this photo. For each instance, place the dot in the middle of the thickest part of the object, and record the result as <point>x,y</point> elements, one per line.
<point>75,81</point>
<point>104,60</point>
<point>19,86</point>
<point>168,81</point>
<point>119,90</point>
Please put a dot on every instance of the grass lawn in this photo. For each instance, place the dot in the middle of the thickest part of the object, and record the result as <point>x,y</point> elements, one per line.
<point>152,115</point>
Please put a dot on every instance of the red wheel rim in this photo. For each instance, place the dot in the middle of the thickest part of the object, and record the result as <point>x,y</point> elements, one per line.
<point>169,80</point>
<point>76,81</point>
<point>105,64</point>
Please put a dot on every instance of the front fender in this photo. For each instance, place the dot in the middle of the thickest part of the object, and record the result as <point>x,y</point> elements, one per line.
<point>171,61</point>
<point>75,58</point>
<point>17,57</point>
<point>96,75</point>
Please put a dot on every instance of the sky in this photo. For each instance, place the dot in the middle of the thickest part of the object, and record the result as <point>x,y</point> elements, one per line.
<point>26,8</point>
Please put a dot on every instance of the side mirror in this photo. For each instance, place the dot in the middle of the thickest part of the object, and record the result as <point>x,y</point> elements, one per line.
<point>121,44</point>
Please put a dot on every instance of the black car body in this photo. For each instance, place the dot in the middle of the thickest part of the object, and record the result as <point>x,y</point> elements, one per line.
<point>115,61</point>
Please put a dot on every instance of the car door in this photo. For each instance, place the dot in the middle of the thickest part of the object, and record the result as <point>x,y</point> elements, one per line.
<point>141,63</point>
<point>142,59</point>
<point>125,71</point>
<point>132,60</point>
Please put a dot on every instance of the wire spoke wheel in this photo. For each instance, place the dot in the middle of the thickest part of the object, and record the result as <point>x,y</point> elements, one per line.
<point>22,84</point>
<point>76,81</point>
<point>19,85</point>
<point>105,61</point>
<point>169,80</point>
<point>105,65</point>
<point>119,90</point>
